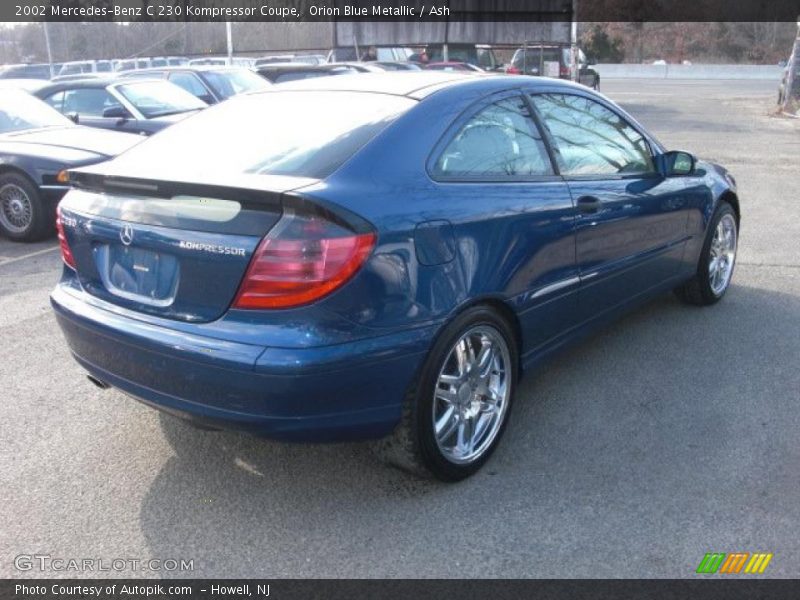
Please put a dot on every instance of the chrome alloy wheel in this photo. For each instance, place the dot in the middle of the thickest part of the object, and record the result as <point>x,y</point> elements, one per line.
<point>16,210</point>
<point>722,255</point>
<point>472,395</point>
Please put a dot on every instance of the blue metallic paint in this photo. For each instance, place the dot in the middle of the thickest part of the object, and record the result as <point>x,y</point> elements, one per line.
<point>340,368</point>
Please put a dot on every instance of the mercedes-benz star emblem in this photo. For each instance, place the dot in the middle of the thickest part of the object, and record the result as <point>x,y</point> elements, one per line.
<point>126,235</point>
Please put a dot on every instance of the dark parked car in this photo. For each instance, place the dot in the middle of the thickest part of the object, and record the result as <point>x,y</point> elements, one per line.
<point>37,146</point>
<point>385,53</point>
<point>552,61</point>
<point>208,83</point>
<point>309,59</point>
<point>388,272</point>
<point>397,66</point>
<point>130,106</point>
<point>281,73</point>
<point>474,54</point>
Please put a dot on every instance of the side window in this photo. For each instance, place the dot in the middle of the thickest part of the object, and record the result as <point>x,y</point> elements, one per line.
<point>485,59</point>
<point>499,142</point>
<point>56,101</point>
<point>591,139</point>
<point>190,83</point>
<point>90,102</point>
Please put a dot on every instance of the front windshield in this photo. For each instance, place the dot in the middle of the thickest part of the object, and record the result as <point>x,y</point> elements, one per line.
<point>159,98</point>
<point>20,111</point>
<point>229,82</point>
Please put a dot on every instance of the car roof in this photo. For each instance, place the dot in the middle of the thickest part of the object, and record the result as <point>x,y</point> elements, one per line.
<point>188,68</point>
<point>298,66</point>
<point>398,83</point>
<point>89,82</point>
<point>94,82</point>
<point>419,84</point>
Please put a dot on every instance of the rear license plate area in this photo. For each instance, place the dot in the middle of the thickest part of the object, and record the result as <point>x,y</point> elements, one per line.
<point>138,274</point>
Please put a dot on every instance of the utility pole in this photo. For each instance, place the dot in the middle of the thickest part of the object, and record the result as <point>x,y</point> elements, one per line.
<point>49,52</point>
<point>573,42</point>
<point>791,91</point>
<point>230,42</point>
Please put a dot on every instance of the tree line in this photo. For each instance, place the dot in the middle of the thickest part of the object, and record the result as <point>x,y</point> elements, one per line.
<point>760,43</point>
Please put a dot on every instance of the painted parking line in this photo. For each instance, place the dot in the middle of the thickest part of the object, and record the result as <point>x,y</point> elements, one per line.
<point>29,255</point>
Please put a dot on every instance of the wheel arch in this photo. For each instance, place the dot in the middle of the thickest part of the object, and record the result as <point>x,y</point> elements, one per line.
<point>10,167</point>
<point>503,309</point>
<point>731,198</point>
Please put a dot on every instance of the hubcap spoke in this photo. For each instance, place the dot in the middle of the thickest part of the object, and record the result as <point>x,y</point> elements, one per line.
<point>449,379</point>
<point>446,424</point>
<point>447,395</point>
<point>465,440</point>
<point>461,357</point>
<point>483,421</point>
<point>485,359</point>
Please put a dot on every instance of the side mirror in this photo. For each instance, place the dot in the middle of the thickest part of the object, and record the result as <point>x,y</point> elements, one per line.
<point>74,117</point>
<point>116,112</point>
<point>676,163</point>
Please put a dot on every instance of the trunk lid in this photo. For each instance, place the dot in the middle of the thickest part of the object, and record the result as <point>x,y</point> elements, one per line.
<point>177,250</point>
<point>98,141</point>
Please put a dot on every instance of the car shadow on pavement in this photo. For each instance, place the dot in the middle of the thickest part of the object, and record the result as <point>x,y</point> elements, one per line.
<point>648,436</point>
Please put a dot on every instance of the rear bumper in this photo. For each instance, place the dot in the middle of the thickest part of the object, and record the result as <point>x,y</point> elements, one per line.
<point>341,392</point>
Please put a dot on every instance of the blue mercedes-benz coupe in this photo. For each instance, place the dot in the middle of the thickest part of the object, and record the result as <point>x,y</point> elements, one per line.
<point>379,256</point>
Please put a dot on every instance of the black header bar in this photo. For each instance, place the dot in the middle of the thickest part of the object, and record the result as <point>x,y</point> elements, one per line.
<point>708,588</point>
<point>293,11</point>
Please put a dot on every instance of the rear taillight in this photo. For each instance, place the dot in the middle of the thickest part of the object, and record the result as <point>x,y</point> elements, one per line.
<point>301,260</point>
<point>512,70</point>
<point>66,253</point>
<point>563,72</point>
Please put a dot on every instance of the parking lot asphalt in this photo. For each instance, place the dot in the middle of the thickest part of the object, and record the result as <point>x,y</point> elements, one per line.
<point>672,433</point>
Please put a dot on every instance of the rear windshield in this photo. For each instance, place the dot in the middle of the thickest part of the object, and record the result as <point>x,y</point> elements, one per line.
<point>159,98</point>
<point>454,54</point>
<point>534,55</point>
<point>302,134</point>
<point>20,111</point>
<point>230,82</point>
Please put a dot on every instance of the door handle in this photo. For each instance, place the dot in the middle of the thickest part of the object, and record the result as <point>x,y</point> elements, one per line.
<point>589,204</point>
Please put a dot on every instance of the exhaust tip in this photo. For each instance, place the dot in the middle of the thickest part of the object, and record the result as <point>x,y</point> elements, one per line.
<point>101,384</point>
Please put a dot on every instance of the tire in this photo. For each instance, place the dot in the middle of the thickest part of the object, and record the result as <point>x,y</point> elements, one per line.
<point>717,260</point>
<point>477,394</point>
<point>596,85</point>
<point>23,215</point>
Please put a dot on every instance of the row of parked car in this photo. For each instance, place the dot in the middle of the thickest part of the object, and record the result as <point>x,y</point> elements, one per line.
<point>110,66</point>
<point>49,126</point>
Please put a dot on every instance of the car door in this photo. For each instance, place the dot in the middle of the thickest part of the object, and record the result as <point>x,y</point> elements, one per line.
<point>96,107</point>
<point>631,228</point>
<point>515,225</point>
